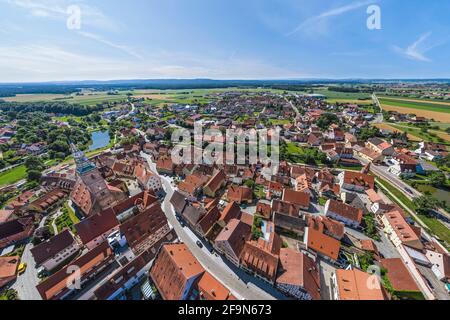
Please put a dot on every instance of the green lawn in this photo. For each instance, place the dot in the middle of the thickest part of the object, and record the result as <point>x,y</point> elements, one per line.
<point>12,176</point>
<point>437,228</point>
<point>416,105</point>
<point>67,219</point>
<point>71,213</point>
<point>397,193</point>
<point>279,122</point>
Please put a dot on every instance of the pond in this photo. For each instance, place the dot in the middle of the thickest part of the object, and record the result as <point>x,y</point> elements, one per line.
<point>100,139</point>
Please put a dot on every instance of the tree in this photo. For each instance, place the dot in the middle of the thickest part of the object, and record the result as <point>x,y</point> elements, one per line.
<point>326,120</point>
<point>368,132</point>
<point>34,175</point>
<point>249,183</point>
<point>426,204</point>
<point>34,163</point>
<point>438,179</point>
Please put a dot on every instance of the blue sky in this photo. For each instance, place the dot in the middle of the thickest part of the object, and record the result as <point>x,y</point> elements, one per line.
<point>223,39</point>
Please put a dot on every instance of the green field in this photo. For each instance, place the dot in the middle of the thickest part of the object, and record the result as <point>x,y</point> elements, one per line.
<point>85,99</point>
<point>333,95</point>
<point>12,176</point>
<point>415,105</point>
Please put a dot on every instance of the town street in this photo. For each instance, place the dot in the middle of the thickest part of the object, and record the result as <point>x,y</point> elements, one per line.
<point>25,285</point>
<point>241,284</point>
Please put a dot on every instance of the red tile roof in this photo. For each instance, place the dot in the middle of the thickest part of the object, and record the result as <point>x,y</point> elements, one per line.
<point>352,285</point>
<point>231,211</point>
<point>346,211</point>
<point>96,225</point>
<point>144,227</point>
<point>8,267</point>
<point>398,275</point>
<point>296,197</point>
<point>236,233</point>
<point>239,194</point>
<point>172,269</point>
<point>326,225</point>
<point>323,244</point>
<point>359,179</point>
<point>56,284</point>
<point>211,289</point>
<point>298,269</point>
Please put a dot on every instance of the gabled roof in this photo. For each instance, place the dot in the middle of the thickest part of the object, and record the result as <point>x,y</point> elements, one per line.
<point>216,181</point>
<point>296,197</point>
<point>344,210</point>
<point>96,225</point>
<point>239,193</point>
<point>297,269</point>
<point>231,211</point>
<point>172,269</point>
<point>57,283</point>
<point>48,249</point>
<point>326,225</point>
<point>403,230</point>
<point>398,275</point>
<point>208,220</point>
<point>359,179</point>
<point>211,289</point>
<point>352,285</point>
<point>8,267</point>
<point>144,225</point>
<point>179,201</point>
<point>323,244</point>
<point>192,214</point>
<point>236,233</point>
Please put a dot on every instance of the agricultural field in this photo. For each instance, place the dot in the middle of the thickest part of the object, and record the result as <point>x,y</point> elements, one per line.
<point>430,135</point>
<point>344,96</point>
<point>391,128</point>
<point>352,101</point>
<point>430,110</point>
<point>428,101</point>
<point>35,97</point>
<point>85,99</point>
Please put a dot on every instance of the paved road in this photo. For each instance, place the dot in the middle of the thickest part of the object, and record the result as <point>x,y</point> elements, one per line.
<point>297,113</point>
<point>26,283</point>
<point>244,286</point>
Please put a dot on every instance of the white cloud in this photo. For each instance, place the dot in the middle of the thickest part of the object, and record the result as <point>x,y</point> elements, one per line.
<point>100,39</point>
<point>316,24</point>
<point>50,63</point>
<point>57,10</point>
<point>416,51</point>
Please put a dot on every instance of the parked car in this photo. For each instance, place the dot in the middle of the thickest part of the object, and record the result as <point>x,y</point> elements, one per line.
<point>22,267</point>
<point>199,244</point>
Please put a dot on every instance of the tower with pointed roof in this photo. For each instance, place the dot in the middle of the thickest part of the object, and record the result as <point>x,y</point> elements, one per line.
<point>91,193</point>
